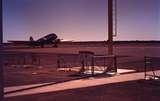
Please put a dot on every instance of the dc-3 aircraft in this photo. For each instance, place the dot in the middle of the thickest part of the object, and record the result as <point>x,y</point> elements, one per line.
<point>51,39</point>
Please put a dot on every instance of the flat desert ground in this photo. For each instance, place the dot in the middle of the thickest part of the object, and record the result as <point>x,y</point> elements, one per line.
<point>28,66</point>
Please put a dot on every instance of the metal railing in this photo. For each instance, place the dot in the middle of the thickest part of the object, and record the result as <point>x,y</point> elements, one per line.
<point>89,61</point>
<point>150,64</point>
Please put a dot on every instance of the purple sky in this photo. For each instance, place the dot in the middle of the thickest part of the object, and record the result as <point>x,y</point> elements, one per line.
<point>81,20</point>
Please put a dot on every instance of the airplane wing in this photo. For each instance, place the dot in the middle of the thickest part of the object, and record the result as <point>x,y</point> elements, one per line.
<point>17,42</point>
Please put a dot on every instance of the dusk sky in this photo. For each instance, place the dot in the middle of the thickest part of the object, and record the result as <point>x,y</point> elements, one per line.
<point>80,20</point>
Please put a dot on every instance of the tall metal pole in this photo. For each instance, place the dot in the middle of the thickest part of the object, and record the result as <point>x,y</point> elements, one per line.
<point>110,27</point>
<point>110,34</point>
<point>1,58</point>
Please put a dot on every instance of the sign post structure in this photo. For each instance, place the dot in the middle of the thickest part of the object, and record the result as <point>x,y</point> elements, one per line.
<point>110,27</point>
<point>1,58</point>
<point>110,35</point>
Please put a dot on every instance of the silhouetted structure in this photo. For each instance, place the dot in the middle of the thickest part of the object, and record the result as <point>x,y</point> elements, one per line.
<point>1,66</point>
<point>31,38</point>
<point>31,41</point>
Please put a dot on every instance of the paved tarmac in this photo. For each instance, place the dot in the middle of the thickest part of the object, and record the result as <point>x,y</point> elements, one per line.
<point>81,83</point>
